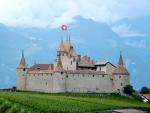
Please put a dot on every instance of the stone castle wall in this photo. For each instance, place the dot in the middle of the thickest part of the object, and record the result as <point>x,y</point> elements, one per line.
<point>63,82</point>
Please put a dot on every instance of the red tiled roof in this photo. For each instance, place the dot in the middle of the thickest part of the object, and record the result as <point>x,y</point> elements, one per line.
<point>147,96</point>
<point>120,62</point>
<point>85,62</point>
<point>121,70</point>
<point>39,67</point>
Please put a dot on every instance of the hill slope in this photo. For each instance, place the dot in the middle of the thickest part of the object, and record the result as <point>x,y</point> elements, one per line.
<point>63,103</point>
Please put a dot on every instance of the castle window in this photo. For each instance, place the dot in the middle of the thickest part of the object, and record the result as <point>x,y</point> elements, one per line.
<point>119,76</point>
<point>93,75</point>
<point>102,75</point>
<point>46,83</point>
<point>24,69</point>
<point>71,62</point>
<point>73,59</point>
<point>61,73</point>
<point>66,76</point>
<point>121,84</point>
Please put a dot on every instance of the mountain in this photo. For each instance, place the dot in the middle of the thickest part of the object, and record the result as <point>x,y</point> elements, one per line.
<point>89,38</point>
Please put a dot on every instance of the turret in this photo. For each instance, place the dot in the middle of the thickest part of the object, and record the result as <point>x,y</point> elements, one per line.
<point>21,73</point>
<point>121,76</point>
<point>121,70</point>
<point>58,66</point>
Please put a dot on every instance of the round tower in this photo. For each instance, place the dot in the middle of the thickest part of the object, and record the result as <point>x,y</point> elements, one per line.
<point>121,76</point>
<point>22,74</point>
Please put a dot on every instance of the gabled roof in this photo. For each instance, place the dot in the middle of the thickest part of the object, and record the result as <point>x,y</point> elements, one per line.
<point>103,63</point>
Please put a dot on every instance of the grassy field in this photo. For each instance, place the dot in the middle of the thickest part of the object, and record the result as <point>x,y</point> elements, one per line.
<point>29,102</point>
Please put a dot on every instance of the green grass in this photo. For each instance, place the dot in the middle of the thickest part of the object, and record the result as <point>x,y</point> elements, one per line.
<point>29,102</point>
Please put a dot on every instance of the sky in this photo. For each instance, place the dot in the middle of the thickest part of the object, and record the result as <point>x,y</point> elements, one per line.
<point>129,20</point>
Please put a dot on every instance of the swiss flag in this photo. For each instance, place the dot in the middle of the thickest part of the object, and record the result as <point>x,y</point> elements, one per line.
<point>64,27</point>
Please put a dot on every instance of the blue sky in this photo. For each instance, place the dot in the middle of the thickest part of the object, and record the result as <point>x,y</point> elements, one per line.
<point>98,28</point>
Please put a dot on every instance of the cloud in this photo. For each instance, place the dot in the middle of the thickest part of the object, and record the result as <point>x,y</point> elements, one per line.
<point>32,49</point>
<point>31,38</point>
<point>113,43</point>
<point>53,13</point>
<point>124,30</point>
<point>137,44</point>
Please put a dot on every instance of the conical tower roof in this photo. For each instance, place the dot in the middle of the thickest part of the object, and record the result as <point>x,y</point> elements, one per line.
<point>68,45</point>
<point>120,62</point>
<point>22,63</point>
<point>121,70</point>
<point>61,47</point>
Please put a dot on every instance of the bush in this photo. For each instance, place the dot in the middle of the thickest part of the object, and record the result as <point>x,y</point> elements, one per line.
<point>145,90</point>
<point>128,89</point>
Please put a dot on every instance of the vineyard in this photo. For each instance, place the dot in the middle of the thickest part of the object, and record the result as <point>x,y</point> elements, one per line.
<point>29,102</point>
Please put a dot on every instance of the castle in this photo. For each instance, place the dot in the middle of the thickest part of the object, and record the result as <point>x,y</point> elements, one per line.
<point>72,72</point>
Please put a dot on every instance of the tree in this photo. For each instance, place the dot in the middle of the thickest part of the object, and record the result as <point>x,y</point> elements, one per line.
<point>144,90</point>
<point>128,89</point>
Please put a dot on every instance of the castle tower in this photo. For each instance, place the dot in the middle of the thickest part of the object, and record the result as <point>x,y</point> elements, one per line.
<point>59,77</point>
<point>121,76</point>
<point>67,55</point>
<point>21,73</point>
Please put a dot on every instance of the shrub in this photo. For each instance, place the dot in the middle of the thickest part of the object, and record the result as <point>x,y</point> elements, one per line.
<point>128,89</point>
<point>145,90</point>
